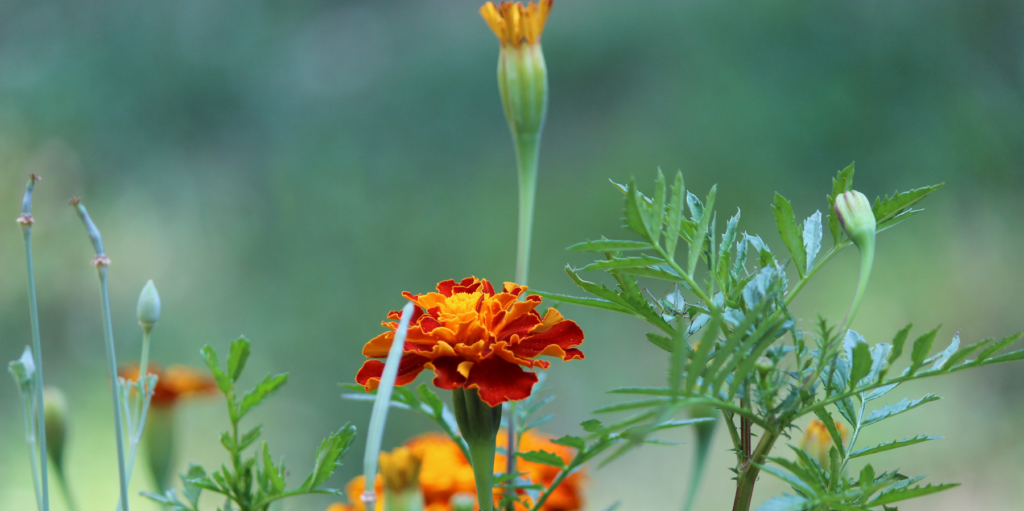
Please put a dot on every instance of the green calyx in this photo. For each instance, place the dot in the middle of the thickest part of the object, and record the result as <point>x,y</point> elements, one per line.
<point>523,84</point>
<point>479,423</point>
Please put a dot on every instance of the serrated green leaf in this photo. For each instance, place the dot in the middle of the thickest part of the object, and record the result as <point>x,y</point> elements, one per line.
<point>843,182</point>
<point>249,437</point>
<point>543,457</point>
<point>624,262</point>
<point>895,444</point>
<point>660,341</point>
<point>269,385</point>
<point>905,405</point>
<point>661,273</point>
<point>833,431</point>
<point>658,210</point>
<point>239,354</point>
<point>861,363</point>
<point>610,246</point>
<point>909,493</point>
<point>674,220</point>
<point>591,425</point>
<point>999,346</point>
<point>571,441</point>
<point>581,300</point>
<point>636,215</point>
<point>698,358</point>
<point>867,475</point>
<point>792,236</point>
<point>946,354</point>
<point>897,343</point>
<point>700,234</point>
<point>922,346</point>
<point>812,238</point>
<point>273,473</point>
<point>224,383</point>
<point>329,455</point>
<point>888,208</point>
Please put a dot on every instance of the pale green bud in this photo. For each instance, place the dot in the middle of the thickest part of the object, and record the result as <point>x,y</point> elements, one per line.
<point>148,309</point>
<point>523,83</point>
<point>854,213</point>
<point>55,418</point>
<point>763,365</point>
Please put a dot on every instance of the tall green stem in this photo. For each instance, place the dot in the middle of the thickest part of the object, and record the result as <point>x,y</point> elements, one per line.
<point>527,152</point>
<point>101,261</point>
<point>26,222</point>
<point>30,437</point>
<point>108,333</point>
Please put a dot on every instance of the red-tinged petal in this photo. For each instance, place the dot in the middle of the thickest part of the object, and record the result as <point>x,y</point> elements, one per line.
<point>428,324</point>
<point>379,346</point>
<point>565,335</point>
<point>446,371</point>
<point>445,287</point>
<point>498,381</point>
<point>408,369</point>
<point>487,288</point>
<point>519,326</point>
<point>501,349</point>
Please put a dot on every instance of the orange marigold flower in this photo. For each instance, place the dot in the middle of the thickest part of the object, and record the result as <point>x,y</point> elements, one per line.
<point>176,382</point>
<point>445,472</point>
<point>818,442</point>
<point>514,23</point>
<point>475,338</point>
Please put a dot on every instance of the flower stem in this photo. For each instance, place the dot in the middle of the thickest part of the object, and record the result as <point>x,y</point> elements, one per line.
<point>26,222</point>
<point>478,423</point>
<point>527,153</point>
<point>108,333</point>
<point>30,438</point>
<point>867,259</point>
<point>69,500</point>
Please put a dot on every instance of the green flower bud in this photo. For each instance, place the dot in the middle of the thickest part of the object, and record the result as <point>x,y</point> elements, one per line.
<point>763,365</point>
<point>55,417</point>
<point>148,309</point>
<point>854,213</point>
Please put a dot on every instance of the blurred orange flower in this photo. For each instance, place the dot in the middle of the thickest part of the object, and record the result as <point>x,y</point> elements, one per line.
<point>513,22</point>
<point>818,442</point>
<point>445,472</point>
<point>475,338</point>
<point>176,382</point>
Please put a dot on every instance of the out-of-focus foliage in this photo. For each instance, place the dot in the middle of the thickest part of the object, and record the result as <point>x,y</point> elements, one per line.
<point>288,167</point>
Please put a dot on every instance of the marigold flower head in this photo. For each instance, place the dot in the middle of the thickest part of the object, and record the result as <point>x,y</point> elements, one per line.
<point>475,338</point>
<point>515,23</point>
<point>818,442</point>
<point>175,383</point>
<point>445,472</point>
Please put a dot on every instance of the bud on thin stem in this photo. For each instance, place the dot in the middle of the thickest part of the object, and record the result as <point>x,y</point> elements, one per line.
<point>854,213</point>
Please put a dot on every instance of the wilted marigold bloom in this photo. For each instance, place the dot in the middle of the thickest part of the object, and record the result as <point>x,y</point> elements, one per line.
<point>475,338</point>
<point>445,472</point>
<point>176,382</point>
<point>818,442</point>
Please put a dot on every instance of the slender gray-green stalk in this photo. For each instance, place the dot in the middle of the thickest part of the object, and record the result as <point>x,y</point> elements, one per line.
<point>26,222</point>
<point>101,262</point>
<point>379,415</point>
<point>30,439</point>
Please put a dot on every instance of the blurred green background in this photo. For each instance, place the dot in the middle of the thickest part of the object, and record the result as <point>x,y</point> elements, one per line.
<point>284,169</point>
